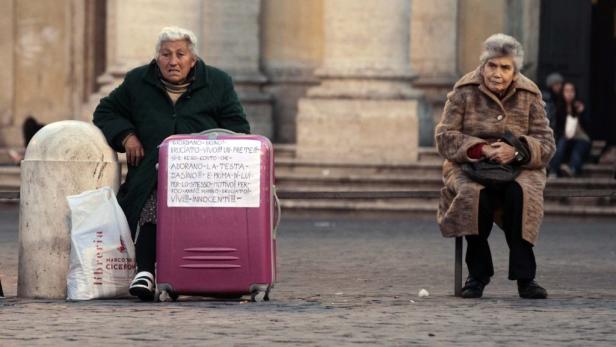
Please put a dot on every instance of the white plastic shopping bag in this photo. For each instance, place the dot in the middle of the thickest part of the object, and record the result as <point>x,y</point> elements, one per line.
<point>102,261</point>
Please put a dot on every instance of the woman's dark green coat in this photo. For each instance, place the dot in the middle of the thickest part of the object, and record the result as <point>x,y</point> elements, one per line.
<point>141,105</point>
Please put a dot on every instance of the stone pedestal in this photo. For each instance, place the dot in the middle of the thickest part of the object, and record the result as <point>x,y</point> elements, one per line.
<point>64,158</point>
<point>365,109</point>
<point>230,41</point>
<point>358,131</point>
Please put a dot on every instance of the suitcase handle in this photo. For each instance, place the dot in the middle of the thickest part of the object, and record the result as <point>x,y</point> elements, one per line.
<point>213,133</point>
<point>278,212</point>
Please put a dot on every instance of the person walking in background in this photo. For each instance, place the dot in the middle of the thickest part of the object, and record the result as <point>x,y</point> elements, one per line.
<point>570,134</point>
<point>29,128</point>
<point>554,83</point>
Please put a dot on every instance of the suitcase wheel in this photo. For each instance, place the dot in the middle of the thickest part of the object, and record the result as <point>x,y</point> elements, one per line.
<point>174,296</point>
<point>166,296</point>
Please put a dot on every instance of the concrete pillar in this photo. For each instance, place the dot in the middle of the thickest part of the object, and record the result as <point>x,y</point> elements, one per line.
<point>290,56</point>
<point>365,109</point>
<point>64,158</point>
<point>434,34</point>
<point>231,41</point>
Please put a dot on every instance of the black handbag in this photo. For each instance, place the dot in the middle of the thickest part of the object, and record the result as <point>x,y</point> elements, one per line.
<point>490,173</point>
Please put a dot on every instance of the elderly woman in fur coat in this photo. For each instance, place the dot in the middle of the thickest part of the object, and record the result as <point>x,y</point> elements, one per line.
<point>483,105</point>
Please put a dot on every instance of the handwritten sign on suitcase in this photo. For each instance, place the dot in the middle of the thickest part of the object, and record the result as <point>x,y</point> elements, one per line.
<point>214,173</point>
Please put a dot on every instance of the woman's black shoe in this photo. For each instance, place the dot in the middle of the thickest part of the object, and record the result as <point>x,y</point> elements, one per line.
<point>473,288</point>
<point>531,290</point>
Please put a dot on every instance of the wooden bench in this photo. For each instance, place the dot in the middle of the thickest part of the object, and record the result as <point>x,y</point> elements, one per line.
<point>399,194</point>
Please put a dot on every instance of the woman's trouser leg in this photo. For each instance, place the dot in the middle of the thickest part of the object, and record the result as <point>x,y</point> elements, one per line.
<point>559,155</point>
<point>145,248</point>
<point>578,155</point>
<point>522,264</point>
<point>478,256</point>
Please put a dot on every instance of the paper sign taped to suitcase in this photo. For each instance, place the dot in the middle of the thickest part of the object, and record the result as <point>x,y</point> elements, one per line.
<point>213,173</point>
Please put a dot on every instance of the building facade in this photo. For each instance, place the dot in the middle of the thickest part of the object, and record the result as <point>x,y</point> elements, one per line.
<point>354,80</point>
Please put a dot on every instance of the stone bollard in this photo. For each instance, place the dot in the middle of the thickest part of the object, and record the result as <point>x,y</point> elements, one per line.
<point>63,158</point>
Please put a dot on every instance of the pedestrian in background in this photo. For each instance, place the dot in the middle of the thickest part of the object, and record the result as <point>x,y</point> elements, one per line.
<point>29,128</point>
<point>554,83</point>
<point>572,140</point>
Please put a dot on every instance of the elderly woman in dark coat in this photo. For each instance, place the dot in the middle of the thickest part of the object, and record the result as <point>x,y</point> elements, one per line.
<point>176,93</point>
<point>483,105</point>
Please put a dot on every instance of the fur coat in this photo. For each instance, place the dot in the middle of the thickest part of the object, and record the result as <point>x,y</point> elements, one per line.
<point>474,115</point>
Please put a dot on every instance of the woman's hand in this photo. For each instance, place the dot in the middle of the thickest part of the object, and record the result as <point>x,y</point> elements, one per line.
<point>134,150</point>
<point>579,106</point>
<point>501,152</point>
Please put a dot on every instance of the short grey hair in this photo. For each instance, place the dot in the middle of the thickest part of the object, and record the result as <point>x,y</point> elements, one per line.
<point>174,33</point>
<point>501,45</point>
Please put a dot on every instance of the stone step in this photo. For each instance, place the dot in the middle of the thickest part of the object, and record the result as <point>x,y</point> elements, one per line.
<point>429,154</point>
<point>281,151</point>
<point>433,197</point>
<point>425,154</point>
<point>425,208</point>
<point>390,181</point>
<point>293,174</point>
<point>284,150</point>
<point>374,182</point>
<point>293,165</point>
<point>10,177</point>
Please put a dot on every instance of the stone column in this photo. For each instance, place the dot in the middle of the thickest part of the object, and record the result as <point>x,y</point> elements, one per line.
<point>365,109</point>
<point>434,58</point>
<point>522,22</point>
<point>7,74</point>
<point>290,57</point>
<point>42,75</point>
<point>132,31</point>
<point>477,20</point>
<point>230,41</point>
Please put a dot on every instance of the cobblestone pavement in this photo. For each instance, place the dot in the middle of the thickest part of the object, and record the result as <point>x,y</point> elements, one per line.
<point>350,281</point>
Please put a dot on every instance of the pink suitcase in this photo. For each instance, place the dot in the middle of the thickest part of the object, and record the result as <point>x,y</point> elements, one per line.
<point>216,216</point>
